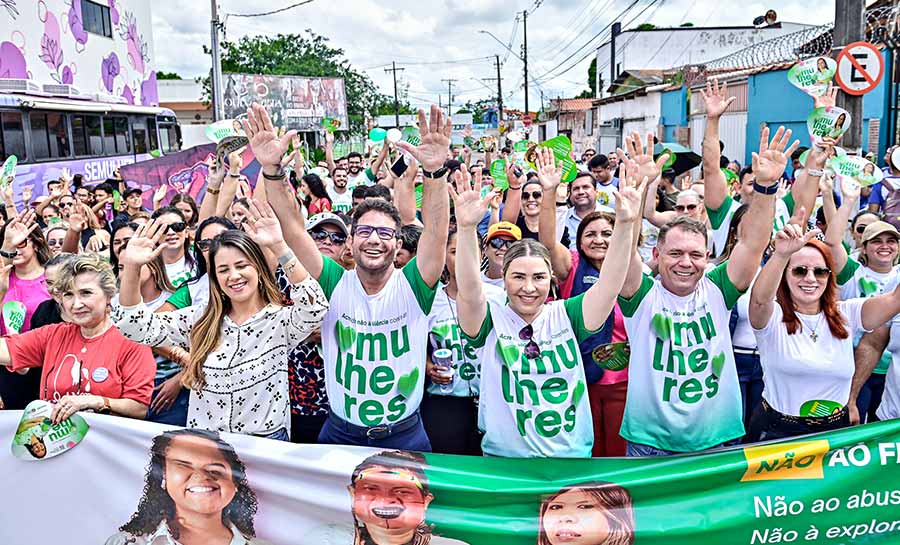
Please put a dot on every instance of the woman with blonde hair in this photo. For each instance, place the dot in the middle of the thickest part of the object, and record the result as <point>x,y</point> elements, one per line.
<point>589,513</point>
<point>239,343</point>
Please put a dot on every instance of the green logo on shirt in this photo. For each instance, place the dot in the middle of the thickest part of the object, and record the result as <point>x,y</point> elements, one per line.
<point>448,336</point>
<point>688,355</point>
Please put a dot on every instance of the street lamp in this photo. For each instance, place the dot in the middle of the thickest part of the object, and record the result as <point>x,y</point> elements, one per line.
<point>499,41</point>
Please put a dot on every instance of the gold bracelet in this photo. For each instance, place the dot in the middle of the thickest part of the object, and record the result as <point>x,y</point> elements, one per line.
<point>290,266</point>
<point>213,190</point>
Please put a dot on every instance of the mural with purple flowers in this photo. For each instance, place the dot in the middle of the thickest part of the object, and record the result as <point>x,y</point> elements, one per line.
<point>47,41</point>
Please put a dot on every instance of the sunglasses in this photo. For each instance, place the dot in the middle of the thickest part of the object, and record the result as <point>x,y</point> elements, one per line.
<point>335,238</point>
<point>498,243</point>
<point>532,350</point>
<point>207,243</point>
<point>53,242</point>
<point>800,271</point>
<point>534,195</point>
<point>685,207</point>
<point>23,244</point>
<point>177,227</point>
<point>365,231</point>
<point>861,229</point>
<point>66,204</point>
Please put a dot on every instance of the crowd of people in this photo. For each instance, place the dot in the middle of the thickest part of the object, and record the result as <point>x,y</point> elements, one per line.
<point>404,299</point>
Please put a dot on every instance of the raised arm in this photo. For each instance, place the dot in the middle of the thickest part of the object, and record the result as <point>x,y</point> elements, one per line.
<point>876,311</point>
<point>230,183</point>
<point>470,208</point>
<point>768,165</point>
<point>550,174</point>
<point>762,299</point>
<point>213,189</point>
<point>717,101</point>
<point>837,225</point>
<point>380,159</point>
<point>329,151</point>
<point>868,352</point>
<point>658,219</point>
<point>431,153</point>
<point>269,149</point>
<point>513,204</point>
<point>405,195</point>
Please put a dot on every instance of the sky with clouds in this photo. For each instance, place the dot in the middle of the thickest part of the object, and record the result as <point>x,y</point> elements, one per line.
<point>422,35</point>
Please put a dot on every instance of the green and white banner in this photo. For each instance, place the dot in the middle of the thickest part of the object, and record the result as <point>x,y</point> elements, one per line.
<point>129,481</point>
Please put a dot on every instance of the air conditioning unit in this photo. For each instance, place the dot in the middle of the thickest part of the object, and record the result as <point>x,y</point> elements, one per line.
<point>17,85</point>
<point>109,99</point>
<point>62,90</point>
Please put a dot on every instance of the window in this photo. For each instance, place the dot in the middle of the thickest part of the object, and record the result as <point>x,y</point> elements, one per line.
<point>109,136</point>
<point>95,18</point>
<point>151,131</point>
<point>86,137</point>
<point>12,136</point>
<point>168,134</point>
<point>49,135</point>
<point>139,131</point>
<point>123,137</point>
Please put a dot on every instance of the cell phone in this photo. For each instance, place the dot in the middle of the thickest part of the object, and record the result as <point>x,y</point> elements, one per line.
<point>517,170</point>
<point>399,166</point>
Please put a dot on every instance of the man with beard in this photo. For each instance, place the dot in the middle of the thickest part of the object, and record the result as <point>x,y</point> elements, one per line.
<point>584,201</point>
<point>375,334</point>
<point>341,197</point>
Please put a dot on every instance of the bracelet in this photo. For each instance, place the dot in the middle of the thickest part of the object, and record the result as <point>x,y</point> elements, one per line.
<point>278,176</point>
<point>290,265</point>
<point>764,189</point>
<point>213,190</point>
<point>286,258</point>
<point>230,175</point>
<point>815,172</point>
<point>9,255</point>
<point>518,187</point>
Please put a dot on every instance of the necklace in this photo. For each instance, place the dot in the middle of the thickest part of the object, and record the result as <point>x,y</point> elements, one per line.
<point>812,334</point>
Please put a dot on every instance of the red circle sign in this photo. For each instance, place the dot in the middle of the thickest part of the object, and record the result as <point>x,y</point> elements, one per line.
<point>860,68</point>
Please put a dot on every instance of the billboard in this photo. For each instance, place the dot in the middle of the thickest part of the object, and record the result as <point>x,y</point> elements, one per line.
<point>293,102</point>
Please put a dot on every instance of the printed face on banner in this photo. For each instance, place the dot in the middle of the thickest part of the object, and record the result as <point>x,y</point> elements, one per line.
<point>812,76</point>
<point>587,514</point>
<point>855,169</point>
<point>37,438</point>
<point>830,122</point>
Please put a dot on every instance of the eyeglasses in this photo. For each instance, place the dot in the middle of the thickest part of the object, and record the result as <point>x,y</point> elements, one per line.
<point>532,350</point>
<point>860,229</point>
<point>498,243</point>
<point>177,227</point>
<point>335,238</point>
<point>365,231</point>
<point>66,204</point>
<point>535,195</point>
<point>800,271</point>
<point>685,207</point>
<point>54,242</point>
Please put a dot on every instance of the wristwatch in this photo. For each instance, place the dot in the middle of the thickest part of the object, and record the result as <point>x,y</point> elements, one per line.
<point>765,189</point>
<point>278,176</point>
<point>9,255</point>
<point>439,173</point>
<point>105,409</point>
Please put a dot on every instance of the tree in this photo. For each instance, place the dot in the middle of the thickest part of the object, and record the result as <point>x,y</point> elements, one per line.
<point>686,25</point>
<point>592,81</point>
<point>478,109</point>
<point>167,75</point>
<point>646,26</point>
<point>307,54</point>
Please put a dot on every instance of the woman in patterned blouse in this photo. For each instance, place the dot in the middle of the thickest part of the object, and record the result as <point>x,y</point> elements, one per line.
<point>239,344</point>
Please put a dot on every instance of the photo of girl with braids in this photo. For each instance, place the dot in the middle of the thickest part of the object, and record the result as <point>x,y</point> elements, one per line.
<point>590,513</point>
<point>390,496</point>
<point>195,492</point>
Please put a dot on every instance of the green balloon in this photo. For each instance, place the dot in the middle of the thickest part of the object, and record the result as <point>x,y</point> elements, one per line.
<point>377,134</point>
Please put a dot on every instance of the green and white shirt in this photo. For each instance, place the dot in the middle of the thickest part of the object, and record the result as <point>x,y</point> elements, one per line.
<point>720,220</point>
<point>444,332</point>
<point>535,408</point>
<point>683,392</point>
<point>374,346</point>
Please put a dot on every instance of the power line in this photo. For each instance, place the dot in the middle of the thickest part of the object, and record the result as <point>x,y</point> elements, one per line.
<point>673,31</point>
<point>582,23</point>
<point>634,35</point>
<point>273,12</point>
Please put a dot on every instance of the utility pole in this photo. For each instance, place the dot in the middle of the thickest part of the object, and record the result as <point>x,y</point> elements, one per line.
<point>218,105</point>
<point>449,94</point>
<point>525,55</point>
<point>394,69</point>
<point>499,89</point>
<point>848,28</point>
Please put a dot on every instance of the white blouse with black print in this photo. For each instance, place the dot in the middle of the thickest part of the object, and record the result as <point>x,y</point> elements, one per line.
<point>246,388</point>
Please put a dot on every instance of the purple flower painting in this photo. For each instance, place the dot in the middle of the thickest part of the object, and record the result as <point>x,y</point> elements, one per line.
<point>68,77</point>
<point>149,92</point>
<point>128,95</point>
<point>113,12</point>
<point>51,48</point>
<point>76,23</point>
<point>12,62</point>
<point>136,48</point>
<point>109,69</point>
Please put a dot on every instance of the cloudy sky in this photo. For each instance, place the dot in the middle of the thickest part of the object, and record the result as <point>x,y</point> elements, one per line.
<point>422,33</point>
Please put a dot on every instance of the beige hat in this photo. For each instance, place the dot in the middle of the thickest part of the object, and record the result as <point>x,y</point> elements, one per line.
<point>878,227</point>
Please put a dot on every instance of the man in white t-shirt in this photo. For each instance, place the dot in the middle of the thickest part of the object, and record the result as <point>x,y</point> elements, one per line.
<point>584,201</point>
<point>683,392</point>
<point>606,183</point>
<point>341,197</point>
<point>375,334</point>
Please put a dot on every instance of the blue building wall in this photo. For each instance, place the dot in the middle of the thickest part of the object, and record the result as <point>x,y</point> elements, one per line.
<point>673,112</point>
<point>774,101</point>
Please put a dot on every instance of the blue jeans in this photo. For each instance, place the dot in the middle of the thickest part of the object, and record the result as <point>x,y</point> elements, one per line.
<point>413,438</point>
<point>750,377</point>
<point>637,450</point>
<point>870,398</point>
<point>176,415</point>
<point>280,435</point>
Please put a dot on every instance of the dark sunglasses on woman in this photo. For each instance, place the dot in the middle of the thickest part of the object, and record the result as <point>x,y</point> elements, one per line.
<point>800,271</point>
<point>177,227</point>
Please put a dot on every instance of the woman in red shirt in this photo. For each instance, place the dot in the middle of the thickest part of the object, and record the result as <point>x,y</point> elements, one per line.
<point>313,195</point>
<point>87,364</point>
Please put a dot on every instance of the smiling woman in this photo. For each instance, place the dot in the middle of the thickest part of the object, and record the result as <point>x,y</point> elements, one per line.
<point>592,513</point>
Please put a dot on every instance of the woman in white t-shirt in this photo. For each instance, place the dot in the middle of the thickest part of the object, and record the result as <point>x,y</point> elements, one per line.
<point>177,256</point>
<point>805,338</point>
<point>533,401</point>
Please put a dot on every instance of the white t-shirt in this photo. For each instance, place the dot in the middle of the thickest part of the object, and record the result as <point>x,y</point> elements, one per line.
<point>855,280</point>
<point>803,377</point>
<point>605,196</point>
<point>683,392</point>
<point>444,332</point>
<point>649,234</point>
<point>533,408</point>
<point>374,346</point>
<point>743,336</point>
<point>179,272</point>
<point>720,220</point>
<point>498,282</point>
<point>890,400</point>
<point>340,202</point>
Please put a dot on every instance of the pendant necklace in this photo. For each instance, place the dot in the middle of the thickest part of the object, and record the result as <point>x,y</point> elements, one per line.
<point>812,334</point>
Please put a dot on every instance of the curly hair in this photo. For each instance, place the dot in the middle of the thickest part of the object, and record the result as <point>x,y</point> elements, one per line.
<point>616,503</point>
<point>156,505</point>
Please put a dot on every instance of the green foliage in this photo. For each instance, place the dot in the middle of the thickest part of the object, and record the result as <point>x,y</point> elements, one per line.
<point>685,25</point>
<point>477,109</point>
<point>646,26</point>
<point>592,77</point>
<point>306,54</point>
<point>167,75</point>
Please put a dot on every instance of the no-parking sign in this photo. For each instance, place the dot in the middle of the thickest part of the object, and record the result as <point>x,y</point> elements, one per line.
<point>859,68</point>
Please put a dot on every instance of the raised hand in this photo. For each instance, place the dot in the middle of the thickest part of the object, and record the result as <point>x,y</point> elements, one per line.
<point>769,163</point>
<point>432,150</point>
<point>160,194</point>
<point>629,198</point>
<point>643,157</point>
<point>468,203</point>
<point>18,229</point>
<point>850,190</point>
<point>267,146</point>
<point>717,100</point>
<point>235,162</point>
<point>818,155</point>
<point>829,99</point>
<point>27,192</point>
<point>791,239</point>
<point>548,169</point>
<point>78,217</point>
<point>144,246</point>
<point>262,225</point>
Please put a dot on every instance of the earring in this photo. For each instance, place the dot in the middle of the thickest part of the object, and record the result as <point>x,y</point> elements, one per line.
<point>162,483</point>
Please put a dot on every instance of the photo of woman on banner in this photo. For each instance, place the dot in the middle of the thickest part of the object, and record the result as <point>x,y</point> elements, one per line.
<point>390,496</point>
<point>195,493</point>
<point>590,513</point>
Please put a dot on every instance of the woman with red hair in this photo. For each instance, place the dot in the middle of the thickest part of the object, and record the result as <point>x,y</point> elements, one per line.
<point>805,337</point>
